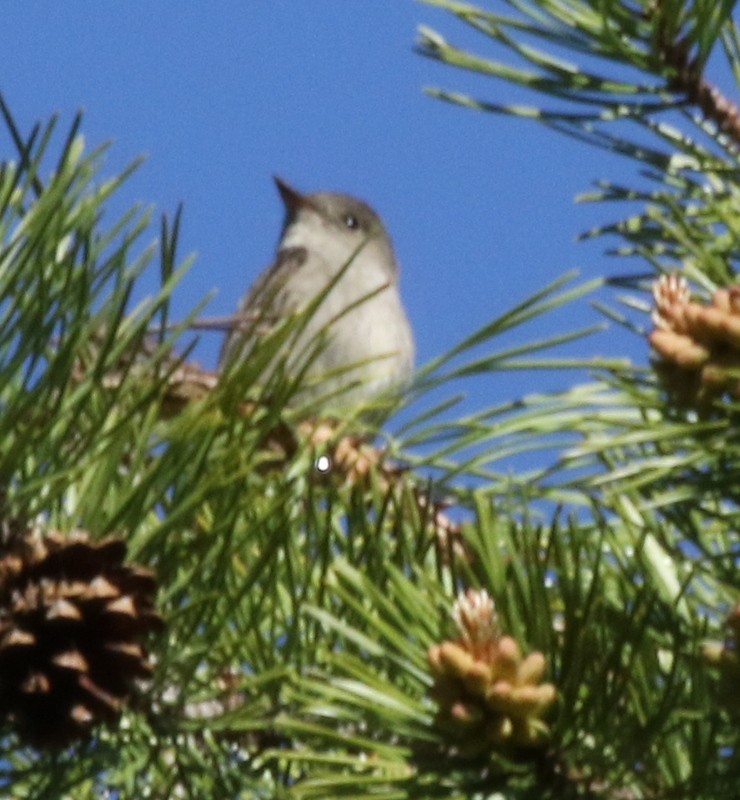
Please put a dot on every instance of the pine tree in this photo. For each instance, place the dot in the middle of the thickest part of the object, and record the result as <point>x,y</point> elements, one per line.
<point>207,593</point>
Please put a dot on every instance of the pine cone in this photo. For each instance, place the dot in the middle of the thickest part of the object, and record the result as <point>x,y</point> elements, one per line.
<point>698,345</point>
<point>490,696</point>
<point>70,617</point>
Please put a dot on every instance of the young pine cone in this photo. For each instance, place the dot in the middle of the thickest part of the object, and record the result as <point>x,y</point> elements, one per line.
<point>490,696</point>
<point>698,344</point>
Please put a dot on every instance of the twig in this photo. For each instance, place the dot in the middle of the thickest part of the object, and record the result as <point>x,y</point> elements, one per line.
<point>689,80</point>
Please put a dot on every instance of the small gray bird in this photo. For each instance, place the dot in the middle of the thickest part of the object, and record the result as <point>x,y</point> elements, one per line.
<point>369,346</point>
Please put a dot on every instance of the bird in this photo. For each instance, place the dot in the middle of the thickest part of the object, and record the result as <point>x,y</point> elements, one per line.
<point>335,258</point>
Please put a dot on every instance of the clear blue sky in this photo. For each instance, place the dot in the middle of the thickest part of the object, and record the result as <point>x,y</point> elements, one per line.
<point>328,94</point>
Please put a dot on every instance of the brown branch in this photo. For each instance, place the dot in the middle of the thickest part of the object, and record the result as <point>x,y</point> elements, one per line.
<point>690,81</point>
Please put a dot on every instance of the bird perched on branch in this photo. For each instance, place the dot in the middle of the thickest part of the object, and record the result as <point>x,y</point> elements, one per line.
<point>334,253</point>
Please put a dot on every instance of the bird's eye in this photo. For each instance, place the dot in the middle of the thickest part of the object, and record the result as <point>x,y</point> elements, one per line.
<point>351,221</point>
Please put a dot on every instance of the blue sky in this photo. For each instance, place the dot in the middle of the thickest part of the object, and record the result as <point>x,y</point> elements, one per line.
<point>328,94</point>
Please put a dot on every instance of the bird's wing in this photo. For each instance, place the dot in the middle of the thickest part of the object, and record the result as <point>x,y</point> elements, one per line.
<point>263,303</point>
<point>262,294</point>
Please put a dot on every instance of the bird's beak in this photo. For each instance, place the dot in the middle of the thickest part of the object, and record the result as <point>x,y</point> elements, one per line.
<point>292,198</point>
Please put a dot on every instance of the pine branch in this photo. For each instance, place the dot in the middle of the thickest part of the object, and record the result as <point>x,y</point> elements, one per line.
<point>690,80</point>
<point>419,619</point>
